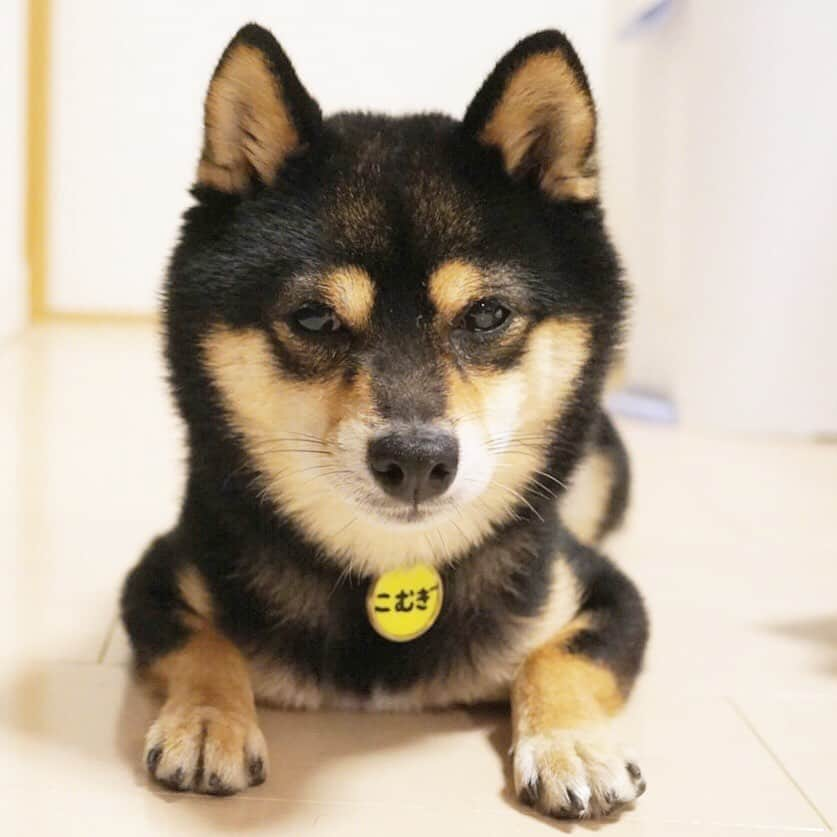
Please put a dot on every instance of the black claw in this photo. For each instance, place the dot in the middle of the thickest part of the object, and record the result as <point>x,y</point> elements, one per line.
<point>530,793</point>
<point>256,769</point>
<point>175,781</point>
<point>152,759</point>
<point>634,770</point>
<point>216,787</point>
<point>576,806</point>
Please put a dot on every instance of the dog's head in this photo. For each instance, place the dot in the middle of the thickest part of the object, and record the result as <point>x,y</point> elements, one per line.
<point>403,324</point>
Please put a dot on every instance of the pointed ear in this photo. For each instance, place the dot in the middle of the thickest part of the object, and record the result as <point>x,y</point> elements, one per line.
<point>537,110</point>
<point>257,114</point>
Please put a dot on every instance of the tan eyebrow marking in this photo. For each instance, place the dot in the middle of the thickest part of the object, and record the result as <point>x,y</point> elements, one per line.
<point>453,285</point>
<point>351,293</point>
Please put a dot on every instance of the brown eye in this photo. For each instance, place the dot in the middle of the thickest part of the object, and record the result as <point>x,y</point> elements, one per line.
<point>484,315</point>
<point>317,319</point>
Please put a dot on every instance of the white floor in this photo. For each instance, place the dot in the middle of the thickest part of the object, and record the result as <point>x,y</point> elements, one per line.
<point>733,541</point>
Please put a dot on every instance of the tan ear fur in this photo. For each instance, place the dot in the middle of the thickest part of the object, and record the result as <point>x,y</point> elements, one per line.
<point>248,127</point>
<point>545,119</point>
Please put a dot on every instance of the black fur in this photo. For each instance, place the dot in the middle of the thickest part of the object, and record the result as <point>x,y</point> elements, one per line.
<point>608,441</point>
<point>430,192</point>
<point>620,627</point>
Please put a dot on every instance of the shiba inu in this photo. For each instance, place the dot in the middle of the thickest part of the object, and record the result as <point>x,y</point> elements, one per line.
<point>387,338</point>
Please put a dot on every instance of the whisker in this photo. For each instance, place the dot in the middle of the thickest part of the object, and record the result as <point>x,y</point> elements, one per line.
<point>456,525</point>
<point>429,546</point>
<point>345,572</point>
<point>292,450</point>
<point>519,497</point>
<point>342,529</point>
<point>554,479</point>
<point>293,437</point>
<point>542,492</point>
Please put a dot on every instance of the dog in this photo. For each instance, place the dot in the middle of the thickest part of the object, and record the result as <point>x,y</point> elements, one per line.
<point>388,340</point>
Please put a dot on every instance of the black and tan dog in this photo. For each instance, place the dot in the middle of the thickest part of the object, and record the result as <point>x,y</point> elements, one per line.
<point>388,340</point>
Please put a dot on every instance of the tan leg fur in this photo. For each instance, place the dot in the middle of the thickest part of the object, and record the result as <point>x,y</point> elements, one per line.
<point>206,738</point>
<point>564,761</point>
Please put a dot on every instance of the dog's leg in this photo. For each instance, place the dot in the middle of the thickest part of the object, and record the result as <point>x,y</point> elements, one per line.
<point>565,762</point>
<point>206,738</point>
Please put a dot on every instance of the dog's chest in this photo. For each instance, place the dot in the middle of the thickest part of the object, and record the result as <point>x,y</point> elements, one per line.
<point>469,676</point>
<point>316,647</point>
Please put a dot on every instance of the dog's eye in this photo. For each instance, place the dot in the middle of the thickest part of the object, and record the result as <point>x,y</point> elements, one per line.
<point>484,315</point>
<point>317,318</point>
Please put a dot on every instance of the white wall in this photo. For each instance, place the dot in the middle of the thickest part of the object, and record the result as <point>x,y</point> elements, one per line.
<point>721,180</point>
<point>718,138</point>
<point>759,250</point>
<point>641,139</point>
<point>12,268</point>
<point>127,93</point>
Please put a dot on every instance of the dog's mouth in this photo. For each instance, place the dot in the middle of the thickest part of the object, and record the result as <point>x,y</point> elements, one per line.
<point>404,514</point>
<point>412,515</point>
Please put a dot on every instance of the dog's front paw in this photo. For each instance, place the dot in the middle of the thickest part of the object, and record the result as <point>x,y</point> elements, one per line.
<point>574,774</point>
<point>204,749</point>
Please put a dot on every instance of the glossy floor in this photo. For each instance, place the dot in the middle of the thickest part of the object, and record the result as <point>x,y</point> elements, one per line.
<point>733,541</point>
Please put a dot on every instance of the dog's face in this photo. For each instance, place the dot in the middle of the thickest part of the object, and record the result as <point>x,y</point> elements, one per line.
<point>403,322</point>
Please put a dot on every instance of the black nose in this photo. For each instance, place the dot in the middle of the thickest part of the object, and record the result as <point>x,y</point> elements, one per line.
<point>414,464</point>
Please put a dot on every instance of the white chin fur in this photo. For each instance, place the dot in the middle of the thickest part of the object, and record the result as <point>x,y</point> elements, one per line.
<point>473,476</point>
<point>359,525</point>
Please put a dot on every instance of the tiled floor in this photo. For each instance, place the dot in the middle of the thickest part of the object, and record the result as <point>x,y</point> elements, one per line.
<point>733,541</point>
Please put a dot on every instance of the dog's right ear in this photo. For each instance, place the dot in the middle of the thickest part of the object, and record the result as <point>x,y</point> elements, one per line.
<point>257,114</point>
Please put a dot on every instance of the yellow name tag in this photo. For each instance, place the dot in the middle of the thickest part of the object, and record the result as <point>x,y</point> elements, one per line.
<point>403,604</point>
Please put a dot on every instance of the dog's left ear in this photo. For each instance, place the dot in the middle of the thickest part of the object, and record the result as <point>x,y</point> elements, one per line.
<point>536,109</point>
<point>257,114</point>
